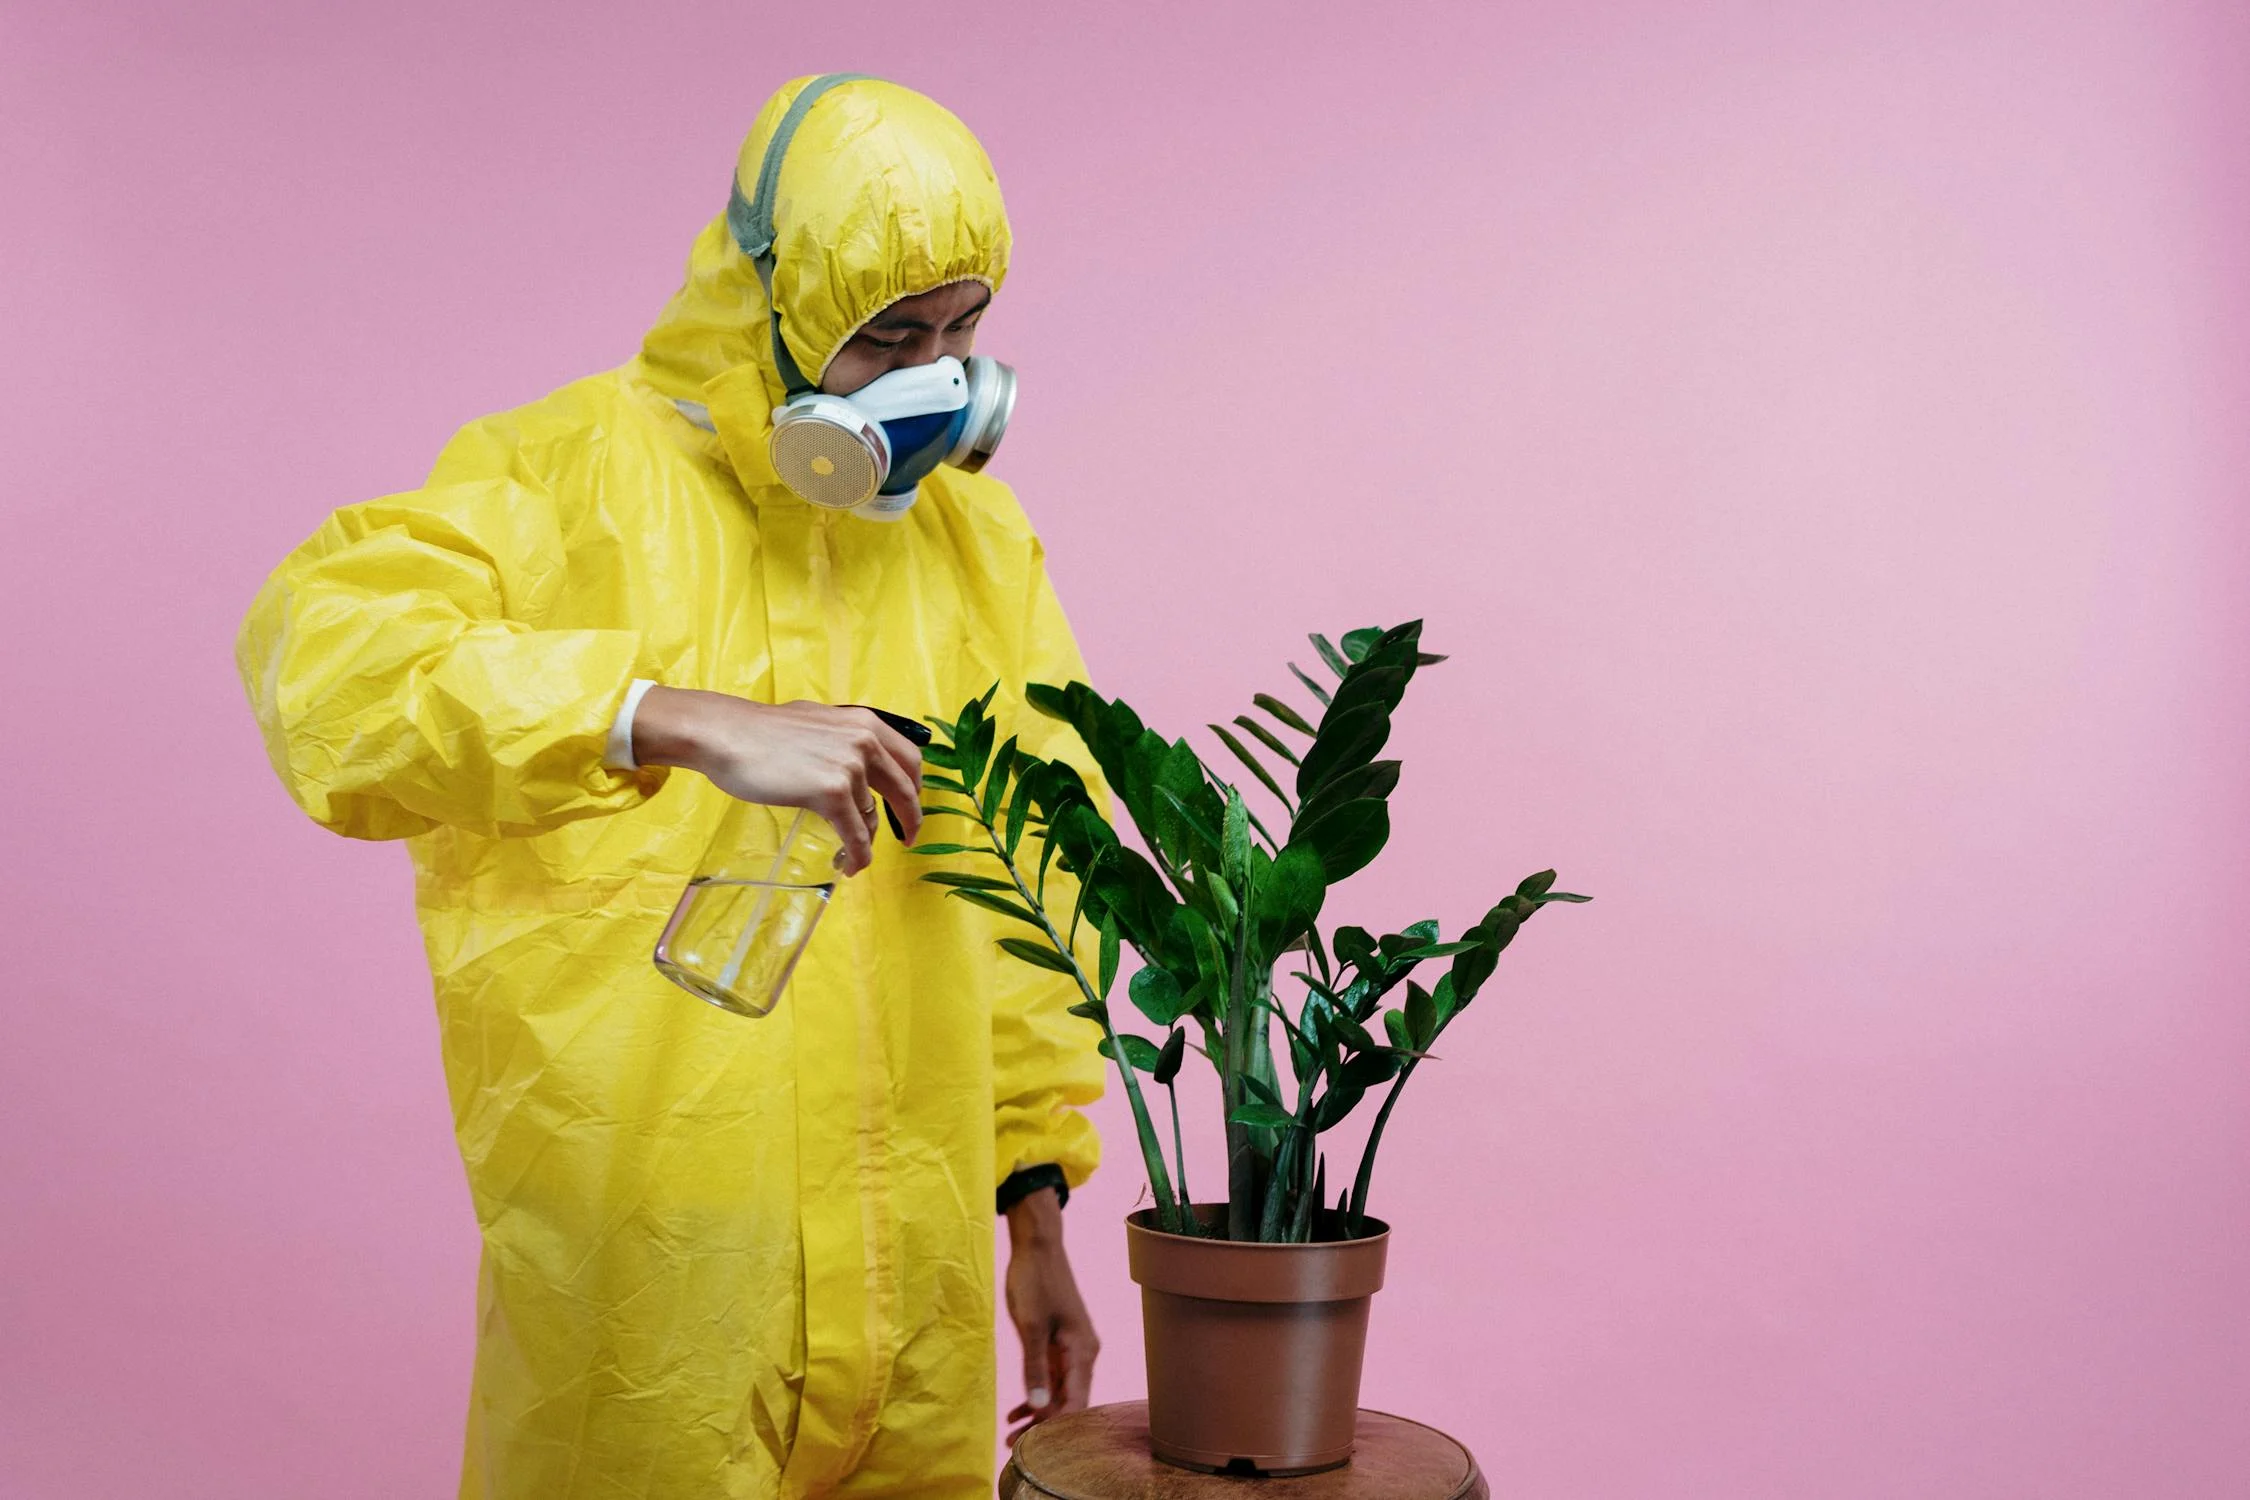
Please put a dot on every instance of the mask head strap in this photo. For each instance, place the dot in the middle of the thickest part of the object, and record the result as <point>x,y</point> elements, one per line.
<point>751,219</point>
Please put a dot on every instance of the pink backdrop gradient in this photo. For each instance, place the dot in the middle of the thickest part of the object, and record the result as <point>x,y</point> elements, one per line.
<point>1816,431</point>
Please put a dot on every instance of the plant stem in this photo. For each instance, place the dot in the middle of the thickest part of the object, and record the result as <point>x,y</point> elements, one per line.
<point>1242,1161</point>
<point>1179,1154</point>
<point>1168,1212</point>
<point>1374,1139</point>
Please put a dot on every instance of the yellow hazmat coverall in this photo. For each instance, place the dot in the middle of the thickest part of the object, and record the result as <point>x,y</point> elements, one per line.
<point>721,1257</point>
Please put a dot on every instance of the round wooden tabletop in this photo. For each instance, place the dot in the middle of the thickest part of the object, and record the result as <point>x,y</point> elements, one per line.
<point>1102,1454</point>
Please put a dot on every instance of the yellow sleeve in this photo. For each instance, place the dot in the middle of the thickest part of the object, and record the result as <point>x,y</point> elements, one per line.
<point>1044,1065</point>
<point>401,677</point>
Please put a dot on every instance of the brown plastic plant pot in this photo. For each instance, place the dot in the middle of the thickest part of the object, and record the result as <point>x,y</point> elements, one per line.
<point>1253,1350</point>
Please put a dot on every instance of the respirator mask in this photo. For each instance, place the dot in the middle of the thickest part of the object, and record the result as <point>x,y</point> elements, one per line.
<point>867,452</point>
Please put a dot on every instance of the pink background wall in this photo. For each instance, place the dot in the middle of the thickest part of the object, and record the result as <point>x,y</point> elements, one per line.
<point>1816,430</point>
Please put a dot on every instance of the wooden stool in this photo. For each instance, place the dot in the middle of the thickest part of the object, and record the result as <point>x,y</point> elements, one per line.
<point>1102,1454</point>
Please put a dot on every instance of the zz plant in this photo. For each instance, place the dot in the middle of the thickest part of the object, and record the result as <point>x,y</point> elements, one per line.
<point>1215,905</point>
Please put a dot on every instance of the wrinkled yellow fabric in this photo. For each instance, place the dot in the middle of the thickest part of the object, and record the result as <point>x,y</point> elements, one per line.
<point>721,1257</point>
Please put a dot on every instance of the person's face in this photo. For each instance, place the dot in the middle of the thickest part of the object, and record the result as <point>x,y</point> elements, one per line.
<point>911,331</point>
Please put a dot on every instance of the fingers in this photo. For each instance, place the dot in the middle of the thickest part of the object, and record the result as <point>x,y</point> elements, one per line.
<point>870,814</point>
<point>841,763</point>
<point>1038,1389</point>
<point>1077,1348</point>
<point>894,769</point>
<point>841,803</point>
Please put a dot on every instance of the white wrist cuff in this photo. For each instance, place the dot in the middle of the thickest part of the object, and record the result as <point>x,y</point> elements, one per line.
<point>618,754</point>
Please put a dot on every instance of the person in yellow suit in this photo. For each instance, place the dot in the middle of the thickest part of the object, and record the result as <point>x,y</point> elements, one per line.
<point>721,1257</point>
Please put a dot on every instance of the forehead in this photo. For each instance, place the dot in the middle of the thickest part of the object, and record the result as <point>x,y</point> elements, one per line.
<point>938,305</point>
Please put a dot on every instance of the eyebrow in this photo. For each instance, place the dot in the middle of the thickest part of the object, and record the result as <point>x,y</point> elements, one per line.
<point>888,322</point>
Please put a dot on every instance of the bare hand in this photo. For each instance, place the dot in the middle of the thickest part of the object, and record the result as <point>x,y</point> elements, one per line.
<point>1059,1346</point>
<point>830,761</point>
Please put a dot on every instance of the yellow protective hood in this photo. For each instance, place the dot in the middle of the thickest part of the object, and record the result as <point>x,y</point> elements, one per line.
<point>883,194</point>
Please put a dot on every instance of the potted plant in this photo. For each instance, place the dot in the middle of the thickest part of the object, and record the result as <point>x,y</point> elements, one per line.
<point>1255,1308</point>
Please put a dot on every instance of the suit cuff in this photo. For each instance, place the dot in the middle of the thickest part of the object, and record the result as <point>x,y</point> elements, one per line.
<point>617,754</point>
<point>1021,1185</point>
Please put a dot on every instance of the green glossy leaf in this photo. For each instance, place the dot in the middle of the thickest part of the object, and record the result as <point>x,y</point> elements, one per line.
<point>1350,1034</point>
<point>1050,700</point>
<point>1376,779</point>
<point>1368,1069</point>
<point>1340,1100</point>
<point>1234,842</point>
<point>1443,950</point>
<point>948,849</point>
<point>996,777</point>
<point>1395,945</point>
<point>1311,686</point>
<point>1139,1051</point>
<point>1381,686</point>
<point>1186,809</point>
<point>1469,973</point>
<point>1242,753</point>
<point>1302,1060</point>
<point>1283,712</point>
<point>1563,896</point>
<point>1258,1112</point>
<point>1421,1015</point>
<point>1203,944</point>
<point>1168,1061</point>
<point>1110,951</point>
<point>1532,887</point>
<point>1428,658</point>
<point>1113,732</point>
<point>962,730</point>
<point>968,882</point>
<point>1049,847</point>
<point>1019,808</point>
<point>1345,839</point>
<point>1446,997</point>
<point>1267,738</point>
<point>1357,643</point>
<point>1000,904</point>
<point>1287,897</point>
<point>1156,994</point>
<point>1336,660</point>
<point>976,750</point>
<point>1222,896</point>
<point>943,784</point>
<point>1039,955</point>
<point>1354,946</point>
<point>1347,741</point>
<point>1262,1089</point>
<point>1092,1010</point>
<point>1402,1037</point>
<point>1192,820</point>
<point>939,754</point>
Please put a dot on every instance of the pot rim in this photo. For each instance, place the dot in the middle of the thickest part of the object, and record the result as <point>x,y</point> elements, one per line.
<point>1253,1270</point>
<point>1143,1221</point>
